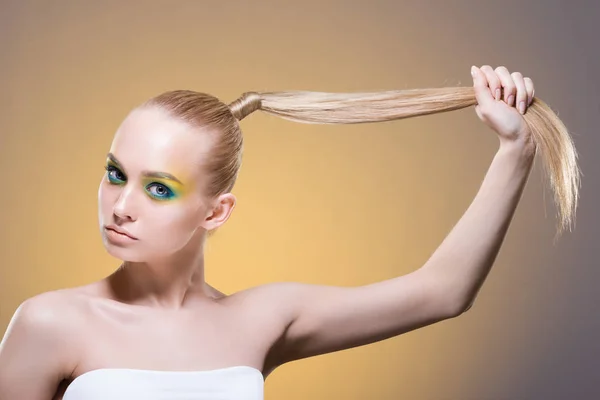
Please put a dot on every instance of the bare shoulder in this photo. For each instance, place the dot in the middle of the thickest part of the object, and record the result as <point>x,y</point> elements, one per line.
<point>272,296</point>
<point>40,316</point>
<point>39,348</point>
<point>270,306</point>
<point>45,310</point>
<point>47,317</point>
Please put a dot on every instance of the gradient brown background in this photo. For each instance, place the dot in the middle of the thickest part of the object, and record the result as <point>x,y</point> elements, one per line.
<point>338,205</point>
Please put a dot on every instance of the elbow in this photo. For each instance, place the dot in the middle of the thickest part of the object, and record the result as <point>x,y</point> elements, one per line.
<point>449,302</point>
<point>460,308</point>
<point>454,308</point>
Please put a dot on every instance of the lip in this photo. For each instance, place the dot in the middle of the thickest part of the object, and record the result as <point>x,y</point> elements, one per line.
<point>120,231</point>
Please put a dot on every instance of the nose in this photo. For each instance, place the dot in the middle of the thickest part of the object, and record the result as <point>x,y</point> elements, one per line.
<point>124,208</point>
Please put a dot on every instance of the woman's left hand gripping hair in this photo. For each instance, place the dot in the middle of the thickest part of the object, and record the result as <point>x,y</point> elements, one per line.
<point>502,99</point>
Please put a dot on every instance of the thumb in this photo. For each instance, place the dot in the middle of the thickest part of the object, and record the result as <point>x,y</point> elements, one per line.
<point>480,83</point>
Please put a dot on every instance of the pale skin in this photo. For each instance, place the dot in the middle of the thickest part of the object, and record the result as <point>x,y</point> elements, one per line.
<point>157,312</point>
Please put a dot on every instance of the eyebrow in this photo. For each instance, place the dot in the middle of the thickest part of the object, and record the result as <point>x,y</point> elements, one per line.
<point>149,174</point>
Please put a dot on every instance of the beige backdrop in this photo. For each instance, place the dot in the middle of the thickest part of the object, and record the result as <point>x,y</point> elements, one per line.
<point>338,205</point>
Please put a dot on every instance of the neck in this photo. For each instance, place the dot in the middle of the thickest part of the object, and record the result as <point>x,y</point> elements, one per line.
<point>169,283</point>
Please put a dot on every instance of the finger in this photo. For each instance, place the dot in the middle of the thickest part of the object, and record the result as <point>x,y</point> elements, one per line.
<point>493,81</point>
<point>530,90</point>
<point>482,92</point>
<point>521,98</point>
<point>510,90</point>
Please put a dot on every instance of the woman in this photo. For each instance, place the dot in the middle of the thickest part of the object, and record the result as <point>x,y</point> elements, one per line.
<point>154,329</point>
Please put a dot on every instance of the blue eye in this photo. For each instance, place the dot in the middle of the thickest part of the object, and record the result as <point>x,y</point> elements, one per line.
<point>114,175</point>
<point>160,191</point>
<point>155,190</point>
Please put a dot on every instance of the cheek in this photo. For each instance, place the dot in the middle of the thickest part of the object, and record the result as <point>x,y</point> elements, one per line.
<point>101,196</point>
<point>106,196</point>
<point>171,226</point>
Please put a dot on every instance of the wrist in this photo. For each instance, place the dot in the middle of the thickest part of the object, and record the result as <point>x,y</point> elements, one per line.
<point>523,152</point>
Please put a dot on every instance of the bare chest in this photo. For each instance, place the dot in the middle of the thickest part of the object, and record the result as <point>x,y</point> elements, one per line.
<point>206,338</point>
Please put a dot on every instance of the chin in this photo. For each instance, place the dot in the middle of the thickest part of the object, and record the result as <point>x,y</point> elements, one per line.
<point>124,253</point>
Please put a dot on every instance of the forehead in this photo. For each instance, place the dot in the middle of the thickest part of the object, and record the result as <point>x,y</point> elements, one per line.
<point>151,139</point>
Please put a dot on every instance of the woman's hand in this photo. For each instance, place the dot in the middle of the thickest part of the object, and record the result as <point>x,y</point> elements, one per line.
<point>502,99</point>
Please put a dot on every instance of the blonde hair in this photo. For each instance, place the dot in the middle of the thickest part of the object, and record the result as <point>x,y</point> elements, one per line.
<point>551,137</point>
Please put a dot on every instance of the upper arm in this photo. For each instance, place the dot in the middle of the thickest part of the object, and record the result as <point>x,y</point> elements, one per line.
<point>33,353</point>
<point>325,319</point>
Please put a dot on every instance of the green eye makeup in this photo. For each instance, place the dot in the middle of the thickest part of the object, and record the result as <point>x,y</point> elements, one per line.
<point>161,189</point>
<point>114,175</point>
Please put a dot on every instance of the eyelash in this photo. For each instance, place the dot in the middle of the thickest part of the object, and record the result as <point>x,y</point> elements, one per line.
<point>113,180</point>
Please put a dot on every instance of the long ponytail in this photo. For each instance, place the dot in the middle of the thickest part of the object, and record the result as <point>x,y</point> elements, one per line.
<point>553,142</point>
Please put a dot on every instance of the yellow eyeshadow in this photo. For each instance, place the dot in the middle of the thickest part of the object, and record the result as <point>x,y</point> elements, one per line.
<point>178,189</point>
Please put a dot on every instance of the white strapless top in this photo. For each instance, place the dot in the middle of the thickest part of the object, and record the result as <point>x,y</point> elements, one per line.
<point>231,383</point>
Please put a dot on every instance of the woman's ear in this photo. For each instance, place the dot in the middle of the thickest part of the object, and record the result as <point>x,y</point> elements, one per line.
<point>219,211</point>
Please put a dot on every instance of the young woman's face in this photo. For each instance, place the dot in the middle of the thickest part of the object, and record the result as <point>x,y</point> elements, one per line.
<point>152,186</point>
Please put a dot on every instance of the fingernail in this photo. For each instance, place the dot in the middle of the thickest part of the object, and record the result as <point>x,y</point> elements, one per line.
<point>473,71</point>
<point>497,94</point>
<point>522,107</point>
<point>511,99</point>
